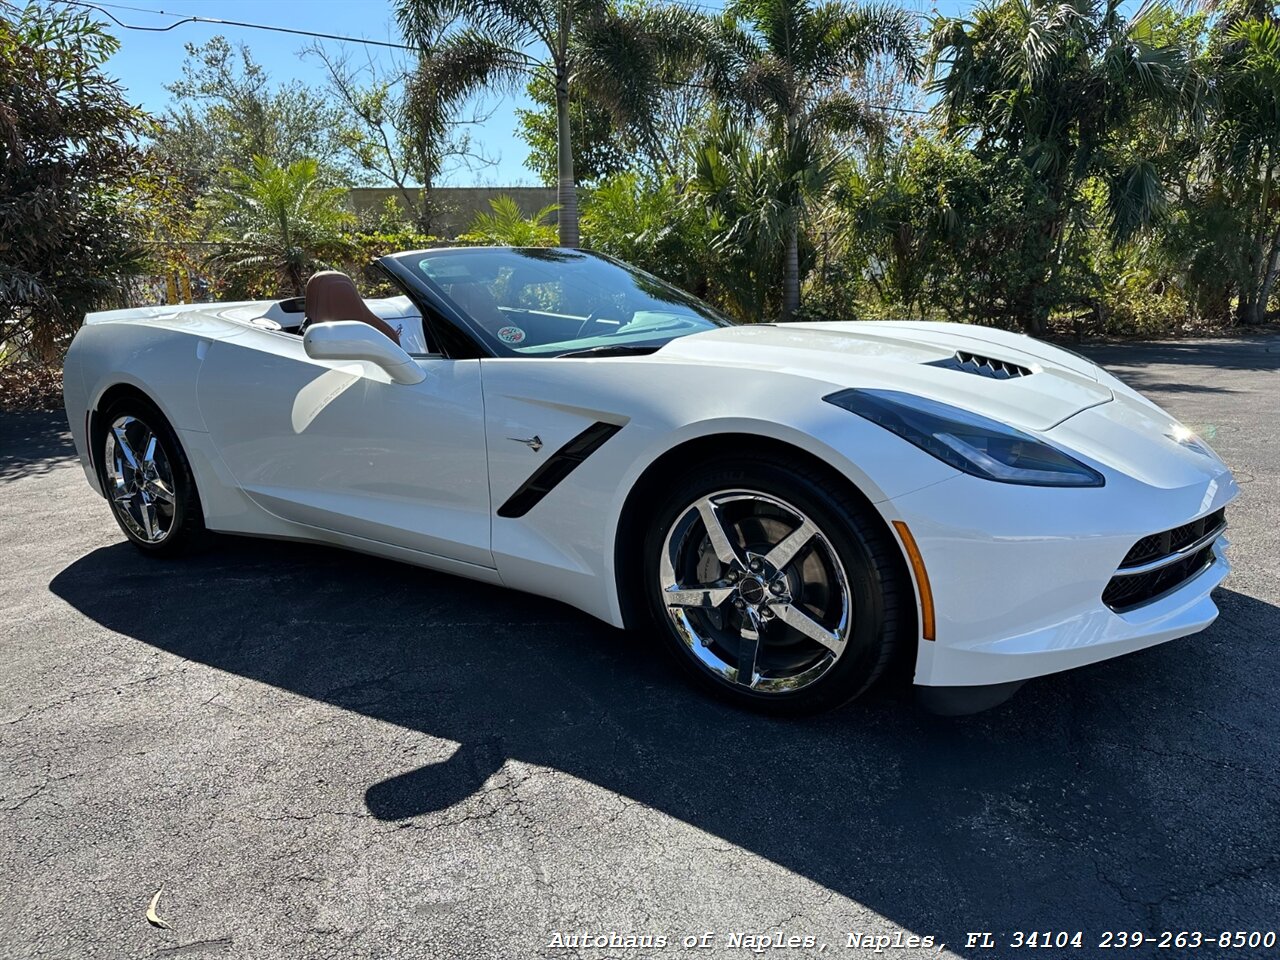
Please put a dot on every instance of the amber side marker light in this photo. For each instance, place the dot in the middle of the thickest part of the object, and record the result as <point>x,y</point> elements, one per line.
<point>922,579</point>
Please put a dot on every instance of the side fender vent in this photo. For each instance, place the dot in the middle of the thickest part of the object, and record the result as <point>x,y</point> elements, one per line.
<point>976,363</point>
<point>558,466</point>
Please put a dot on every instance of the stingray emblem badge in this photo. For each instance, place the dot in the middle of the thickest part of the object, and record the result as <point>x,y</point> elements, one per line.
<point>533,443</point>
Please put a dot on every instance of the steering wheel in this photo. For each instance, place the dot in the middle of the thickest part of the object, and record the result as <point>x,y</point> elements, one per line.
<point>593,317</point>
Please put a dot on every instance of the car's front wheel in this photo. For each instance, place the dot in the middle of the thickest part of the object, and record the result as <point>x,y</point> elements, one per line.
<point>147,479</point>
<point>777,590</point>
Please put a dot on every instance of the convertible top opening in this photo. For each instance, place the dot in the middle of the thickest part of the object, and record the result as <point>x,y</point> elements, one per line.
<point>549,302</point>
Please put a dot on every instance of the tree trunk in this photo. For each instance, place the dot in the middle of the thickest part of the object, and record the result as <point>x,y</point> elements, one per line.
<point>567,192</point>
<point>1253,299</point>
<point>1037,301</point>
<point>1268,282</point>
<point>1038,318</point>
<point>791,274</point>
<point>292,266</point>
<point>295,278</point>
<point>419,209</point>
<point>427,220</point>
<point>1248,312</point>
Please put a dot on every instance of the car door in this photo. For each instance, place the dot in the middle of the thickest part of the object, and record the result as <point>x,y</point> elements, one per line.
<point>337,445</point>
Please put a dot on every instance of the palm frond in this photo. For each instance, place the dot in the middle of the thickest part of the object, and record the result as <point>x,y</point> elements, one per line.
<point>1135,197</point>
<point>469,60</point>
<point>424,22</point>
<point>278,223</point>
<point>507,226</point>
<point>878,30</point>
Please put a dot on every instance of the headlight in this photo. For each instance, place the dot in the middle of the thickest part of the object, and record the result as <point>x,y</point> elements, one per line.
<point>969,442</point>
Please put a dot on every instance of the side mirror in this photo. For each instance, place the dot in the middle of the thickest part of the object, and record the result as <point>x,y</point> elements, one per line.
<point>353,340</point>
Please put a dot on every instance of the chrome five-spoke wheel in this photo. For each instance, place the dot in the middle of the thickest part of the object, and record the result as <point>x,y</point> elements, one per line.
<point>140,481</point>
<point>755,591</point>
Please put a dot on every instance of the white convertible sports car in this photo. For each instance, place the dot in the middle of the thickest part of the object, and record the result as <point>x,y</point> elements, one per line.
<point>784,506</point>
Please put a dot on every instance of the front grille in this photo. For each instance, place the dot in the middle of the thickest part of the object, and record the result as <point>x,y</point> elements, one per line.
<point>1171,541</point>
<point>1175,556</point>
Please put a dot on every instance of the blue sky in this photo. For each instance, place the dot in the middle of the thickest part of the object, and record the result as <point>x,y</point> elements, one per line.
<point>147,61</point>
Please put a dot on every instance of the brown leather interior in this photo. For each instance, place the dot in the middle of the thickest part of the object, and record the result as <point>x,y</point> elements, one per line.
<point>333,296</point>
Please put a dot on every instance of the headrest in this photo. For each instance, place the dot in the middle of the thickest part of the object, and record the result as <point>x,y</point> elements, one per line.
<point>332,295</point>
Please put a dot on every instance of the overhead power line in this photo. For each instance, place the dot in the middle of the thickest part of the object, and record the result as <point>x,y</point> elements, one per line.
<point>217,21</point>
<point>181,19</point>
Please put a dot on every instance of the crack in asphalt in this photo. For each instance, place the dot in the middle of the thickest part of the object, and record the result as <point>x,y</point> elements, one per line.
<point>214,945</point>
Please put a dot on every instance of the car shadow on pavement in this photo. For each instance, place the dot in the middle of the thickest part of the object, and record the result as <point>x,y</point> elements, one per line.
<point>33,443</point>
<point>1116,795</point>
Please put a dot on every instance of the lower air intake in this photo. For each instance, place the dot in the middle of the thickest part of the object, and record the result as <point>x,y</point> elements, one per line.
<point>1162,562</point>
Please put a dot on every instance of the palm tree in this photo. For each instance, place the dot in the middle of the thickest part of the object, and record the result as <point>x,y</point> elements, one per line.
<point>735,188</point>
<point>278,224</point>
<point>617,54</point>
<point>1061,85</point>
<point>1244,66</point>
<point>754,196</point>
<point>507,226</point>
<point>794,63</point>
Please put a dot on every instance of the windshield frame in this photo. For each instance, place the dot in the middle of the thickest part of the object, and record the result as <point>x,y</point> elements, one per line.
<point>403,268</point>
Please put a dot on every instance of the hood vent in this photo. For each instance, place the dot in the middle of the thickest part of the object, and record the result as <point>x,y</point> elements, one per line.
<point>976,363</point>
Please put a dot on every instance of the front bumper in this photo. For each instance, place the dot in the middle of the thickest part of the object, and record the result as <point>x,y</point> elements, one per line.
<point>1018,573</point>
<point>1087,637</point>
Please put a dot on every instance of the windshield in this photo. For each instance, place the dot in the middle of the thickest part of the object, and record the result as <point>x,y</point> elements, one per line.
<point>541,302</point>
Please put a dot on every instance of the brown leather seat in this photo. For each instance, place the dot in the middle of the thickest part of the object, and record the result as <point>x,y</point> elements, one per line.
<point>333,296</point>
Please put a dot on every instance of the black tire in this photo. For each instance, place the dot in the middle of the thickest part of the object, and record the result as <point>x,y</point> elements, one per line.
<point>185,528</point>
<point>880,602</point>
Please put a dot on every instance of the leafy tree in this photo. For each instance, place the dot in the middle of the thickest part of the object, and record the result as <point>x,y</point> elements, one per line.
<point>172,228</point>
<point>599,150</point>
<point>662,138</point>
<point>69,163</point>
<point>587,43</point>
<point>656,141</point>
<point>743,188</point>
<point>793,63</point>
<point>276,225</point>
<point>941,232</point>
<point>397,128</point>
<point>1243,62</point>
<point>1059,86</point>
<point>1202,249</point>
<point>631,217</point>
<point>904,209</point>
<point>369,245</point>
<point>228,112</point>
<point>507,226</point>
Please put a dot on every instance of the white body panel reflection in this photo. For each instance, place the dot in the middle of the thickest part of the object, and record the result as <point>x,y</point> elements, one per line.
<point>337,445</point>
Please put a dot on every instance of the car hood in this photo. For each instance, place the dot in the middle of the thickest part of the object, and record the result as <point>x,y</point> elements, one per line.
<point>1009,377</point>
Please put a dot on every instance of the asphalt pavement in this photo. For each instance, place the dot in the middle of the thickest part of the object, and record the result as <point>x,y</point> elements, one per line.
<point>312,754</point>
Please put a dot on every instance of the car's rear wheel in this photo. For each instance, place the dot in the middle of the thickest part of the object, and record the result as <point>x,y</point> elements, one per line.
<point>775,590</point>
<point>147,479</point>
